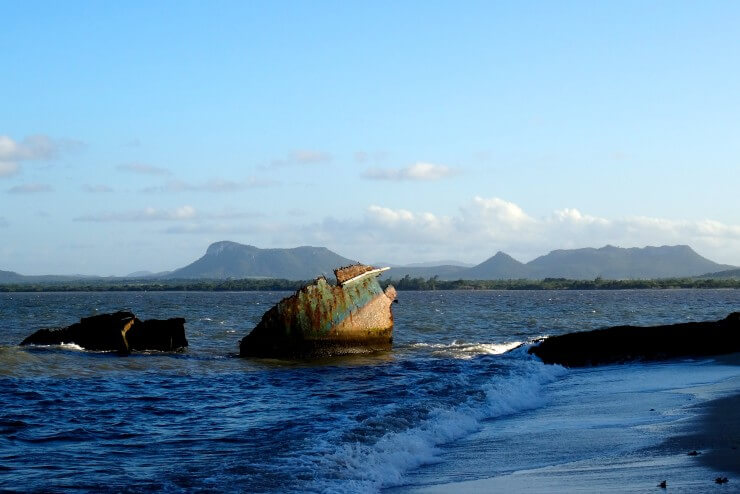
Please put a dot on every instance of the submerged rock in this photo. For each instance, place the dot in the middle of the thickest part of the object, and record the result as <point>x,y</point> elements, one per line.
<point>321,319</point>
<point>626,343</point>
<point>119,332</point>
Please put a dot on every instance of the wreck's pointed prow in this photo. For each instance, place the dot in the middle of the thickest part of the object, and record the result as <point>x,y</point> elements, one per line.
<point>321,319</point>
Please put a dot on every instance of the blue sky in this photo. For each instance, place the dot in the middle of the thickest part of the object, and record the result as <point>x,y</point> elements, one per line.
<point>134,134</point>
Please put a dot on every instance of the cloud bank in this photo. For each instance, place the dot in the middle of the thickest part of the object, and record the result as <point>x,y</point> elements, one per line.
<point>486,225</point>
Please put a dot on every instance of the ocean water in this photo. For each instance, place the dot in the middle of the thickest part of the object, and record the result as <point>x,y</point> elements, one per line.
<point>449,403</point>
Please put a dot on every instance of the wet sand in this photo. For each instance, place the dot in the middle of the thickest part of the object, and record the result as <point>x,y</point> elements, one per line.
<point>711,427</point>
<point>715,435</point>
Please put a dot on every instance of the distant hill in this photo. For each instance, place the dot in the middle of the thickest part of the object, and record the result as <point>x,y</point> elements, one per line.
<point>232,260</point>
<point>729,273</point>
<point>611,262</point>
<point>10,277</point>
<point>13,277</point>
<point>500,266</point>
<point>608,262</point>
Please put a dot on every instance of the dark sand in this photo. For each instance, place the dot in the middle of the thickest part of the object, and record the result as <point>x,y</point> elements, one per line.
<point>714,434</point>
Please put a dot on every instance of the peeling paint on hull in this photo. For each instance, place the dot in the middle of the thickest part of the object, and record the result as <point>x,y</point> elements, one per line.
<point>321,319</point>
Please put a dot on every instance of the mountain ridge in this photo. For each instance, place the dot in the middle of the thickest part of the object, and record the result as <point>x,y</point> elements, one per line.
<point>231,260</point>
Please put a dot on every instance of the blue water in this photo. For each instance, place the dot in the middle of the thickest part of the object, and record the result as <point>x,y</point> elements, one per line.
<point>206,419</point>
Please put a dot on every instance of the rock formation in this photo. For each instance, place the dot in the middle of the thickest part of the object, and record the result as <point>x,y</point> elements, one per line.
<point>120,332</point>
<point>626,343</point>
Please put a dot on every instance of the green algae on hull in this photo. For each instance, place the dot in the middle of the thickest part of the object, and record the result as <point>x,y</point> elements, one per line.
<point>321,319</point>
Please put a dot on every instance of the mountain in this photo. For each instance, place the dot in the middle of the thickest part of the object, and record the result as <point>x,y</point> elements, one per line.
<point>608,262</point>
<point>232,260</point>
<point>611,262</point>
<point>10,277</point>
<point>500,266</point>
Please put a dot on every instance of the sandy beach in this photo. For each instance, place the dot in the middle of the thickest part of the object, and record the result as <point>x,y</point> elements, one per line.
<point>703,417</point>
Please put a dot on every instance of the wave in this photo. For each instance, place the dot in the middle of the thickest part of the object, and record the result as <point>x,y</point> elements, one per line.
<point>72,346</point>
<point>464,350</point>
<point>359,467</point>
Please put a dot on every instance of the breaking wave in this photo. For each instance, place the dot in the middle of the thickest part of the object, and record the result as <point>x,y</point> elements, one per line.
<point>363,467</point>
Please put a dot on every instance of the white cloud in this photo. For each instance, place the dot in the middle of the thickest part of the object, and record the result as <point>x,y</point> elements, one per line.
<point>35,147</point>
<point>31,148</point>
<point>32,188</point>
<point>502,212</point>
<point>574,216</point>
<point>8,168</point>
<point>215,186</point>
<point>143,168</point>
<point>486,225</point>
<point>417,171</point>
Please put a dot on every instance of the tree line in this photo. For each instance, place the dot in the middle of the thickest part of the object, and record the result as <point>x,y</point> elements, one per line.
<point>405,283</point>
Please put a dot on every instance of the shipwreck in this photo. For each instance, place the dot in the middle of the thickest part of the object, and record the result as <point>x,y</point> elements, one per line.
<point>321,319</point>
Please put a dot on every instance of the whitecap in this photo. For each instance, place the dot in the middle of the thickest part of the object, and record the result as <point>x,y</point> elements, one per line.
<point>465,350</point>
<point>359,467</point>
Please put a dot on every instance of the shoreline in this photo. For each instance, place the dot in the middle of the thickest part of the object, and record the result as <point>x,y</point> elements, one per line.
<point>710,426</point>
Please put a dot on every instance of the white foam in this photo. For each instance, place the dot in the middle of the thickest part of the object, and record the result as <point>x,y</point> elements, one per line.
<point>71,346</point>
<point>358,467</point>
<point>463,350</point>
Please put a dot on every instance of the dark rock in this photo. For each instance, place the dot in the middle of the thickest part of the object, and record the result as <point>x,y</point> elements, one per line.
<point>119,332</point>
<point>693,453</point>
<point>663,484</point>
<point>721,480</point>
<point>105,332</point>
<point>165,335</point>
<point>628,343</point>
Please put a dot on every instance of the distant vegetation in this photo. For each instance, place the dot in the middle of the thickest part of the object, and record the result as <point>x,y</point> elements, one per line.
<point>405,283</point>
<point>245,285</point>
<point>408,283</point>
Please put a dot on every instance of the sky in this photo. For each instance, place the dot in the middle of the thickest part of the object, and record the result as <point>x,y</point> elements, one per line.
<point>134,134</point>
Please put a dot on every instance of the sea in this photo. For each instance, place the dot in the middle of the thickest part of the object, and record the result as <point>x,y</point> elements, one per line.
<point>457,399</point>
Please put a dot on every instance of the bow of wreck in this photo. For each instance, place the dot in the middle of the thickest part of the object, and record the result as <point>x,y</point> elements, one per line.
<point>321,319</point>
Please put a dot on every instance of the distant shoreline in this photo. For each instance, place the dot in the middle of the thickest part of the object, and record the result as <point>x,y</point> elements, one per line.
<point>404,284</point>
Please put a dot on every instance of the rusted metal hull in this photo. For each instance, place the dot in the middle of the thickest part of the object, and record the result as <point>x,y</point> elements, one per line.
<point>321,319</point>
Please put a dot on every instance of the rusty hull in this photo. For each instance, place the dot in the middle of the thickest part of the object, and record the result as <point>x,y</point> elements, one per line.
<point>321,319</point>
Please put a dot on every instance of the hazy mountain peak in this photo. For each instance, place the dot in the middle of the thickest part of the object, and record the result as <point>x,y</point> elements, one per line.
<point>227,259</point>
<point>217,248</point>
